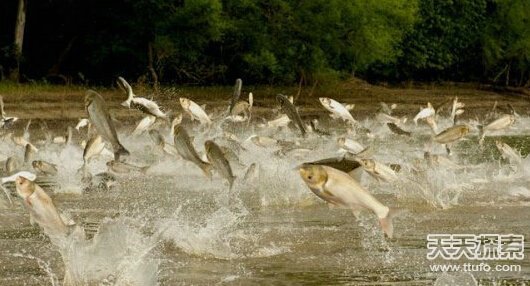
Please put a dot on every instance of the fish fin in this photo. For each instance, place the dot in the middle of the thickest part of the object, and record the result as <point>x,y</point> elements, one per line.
<point>386,223</point>
<point>120,152</point>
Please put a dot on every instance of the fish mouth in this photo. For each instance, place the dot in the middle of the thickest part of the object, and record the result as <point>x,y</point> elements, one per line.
<point>324,100</point>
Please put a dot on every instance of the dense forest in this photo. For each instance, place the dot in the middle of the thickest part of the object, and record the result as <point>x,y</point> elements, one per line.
<point>265,42</point>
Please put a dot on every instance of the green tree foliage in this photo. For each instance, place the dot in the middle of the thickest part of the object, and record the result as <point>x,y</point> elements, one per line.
<point>444,39</point>
<point>507,41</point>
<point>272,41</point>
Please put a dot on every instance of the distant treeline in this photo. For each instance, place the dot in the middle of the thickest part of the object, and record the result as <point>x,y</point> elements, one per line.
<point>266,42</point>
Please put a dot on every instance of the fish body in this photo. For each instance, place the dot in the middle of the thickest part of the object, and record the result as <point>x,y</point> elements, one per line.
<point>500,123</point>
<point>144,125</point>
<point>217,158</point>
<point>508,152</point>
<point>125,168</point>
<point>93,148</point>
<point>378,170</point>
<point>187,151</point>
<point>424,113</point>
<point>282,121</point>
<point>397,130</point>
<point>350,145</point>
<point>40,206</point>
<point>100,119</point>
<point>289,109</point>
<point>337,109</point>
<point>451,134</point>
<point>341,190</point>
<point>195,111</point>
<point>29,154</point>
<point>44,167</point>
<point>235,95</point>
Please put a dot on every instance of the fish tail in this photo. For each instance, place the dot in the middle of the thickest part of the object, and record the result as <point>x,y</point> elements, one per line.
<point>386,222</point>
<point>206,169</point>
<point>121,151</point>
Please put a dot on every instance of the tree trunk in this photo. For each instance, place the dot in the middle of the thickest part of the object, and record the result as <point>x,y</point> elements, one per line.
<point>151,68</point>
<point>19,39</point>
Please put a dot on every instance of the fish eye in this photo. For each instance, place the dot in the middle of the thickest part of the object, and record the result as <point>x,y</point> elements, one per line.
<point>309,177</point>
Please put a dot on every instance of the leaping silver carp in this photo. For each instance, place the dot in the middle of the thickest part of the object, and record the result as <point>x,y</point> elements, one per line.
<point>188,152</point>
<point>289,109</point>
<point>100,119</point>
<point>341,190</point>
<point>217,158</point>
<point>145,105</point>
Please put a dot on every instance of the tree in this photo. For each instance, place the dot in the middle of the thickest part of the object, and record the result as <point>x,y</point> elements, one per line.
<point>507,42</point>
<point>19,39</point>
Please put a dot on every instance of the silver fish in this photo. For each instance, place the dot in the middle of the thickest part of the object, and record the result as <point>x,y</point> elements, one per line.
<point>395,129</point>
<point>452,134</point>
<point>93,147</point>
<point>125,168</point>
<point>145,105</point>
<point>341,190</point>
<point>218,160</point>
<point>236,95</point>
<point>100,119</point>
<point>289,109</point>
<point>29,154</point>
<point>187,151</point>
<point>45,167</point>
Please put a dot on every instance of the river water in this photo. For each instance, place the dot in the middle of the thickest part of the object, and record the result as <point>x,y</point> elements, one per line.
<point>173,226</point>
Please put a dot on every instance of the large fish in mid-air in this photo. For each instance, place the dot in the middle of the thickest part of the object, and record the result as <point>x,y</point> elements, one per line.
<point>289,109</point>
<point>100,118</point>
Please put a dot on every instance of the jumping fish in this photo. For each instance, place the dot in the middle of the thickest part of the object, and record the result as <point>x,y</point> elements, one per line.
<point>195,111</point>
<point>378,170</point>
<point>217,158</point>
<point>289,109</point>
<point>498,124</point>
<point>145,105</point>
<point>337,110</point>
<point>39,204</point>
<point>350,145</point>
<point>508,153</point>
<point>187,151</point>
<point>452,134</point>
<point>235,95</point>
<point>341,190</point>
<point>144,125</point>
<point>125,168</point>
<point>394,128</point>
<point>282,121</point>
<point>93,147</point>
<point>100,119</point>
<point>5,121</point>
<point>424,113</point>
<point>159,141</point>
<point>44,167</point>
<point>351,167</point>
